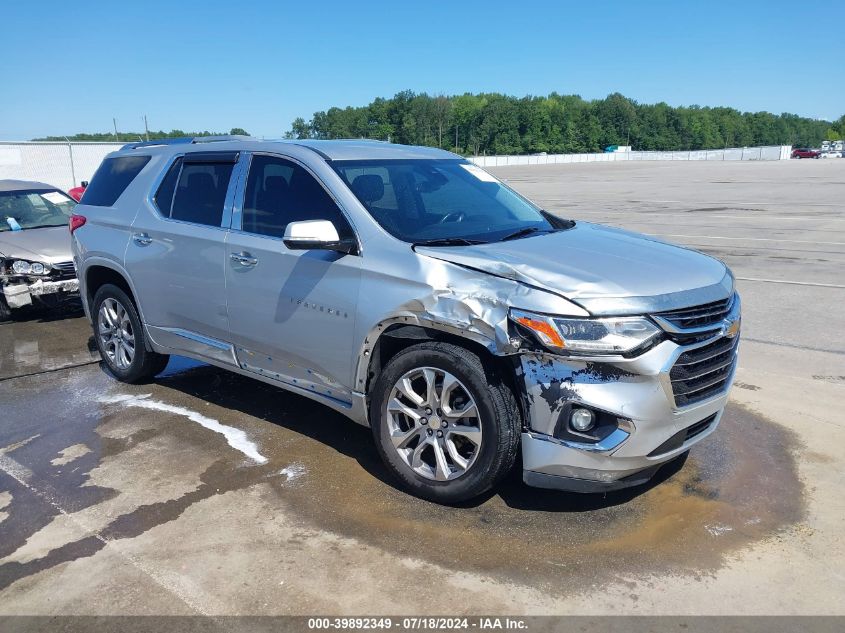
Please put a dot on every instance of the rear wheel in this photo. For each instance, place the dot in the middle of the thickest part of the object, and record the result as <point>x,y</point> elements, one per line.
<point>5,310</point>
<point>120,337</point>
<point>446,428</point>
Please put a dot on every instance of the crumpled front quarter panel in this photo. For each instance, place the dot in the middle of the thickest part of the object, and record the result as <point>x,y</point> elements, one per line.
<point>417,290</point>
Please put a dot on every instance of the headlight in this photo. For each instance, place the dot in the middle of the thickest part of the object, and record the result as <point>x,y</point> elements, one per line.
<point>612,335</point>
<point>22,267</point>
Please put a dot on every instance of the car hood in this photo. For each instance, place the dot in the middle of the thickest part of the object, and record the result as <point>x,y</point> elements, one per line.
<point>604,270</point>
<point>50,244</point>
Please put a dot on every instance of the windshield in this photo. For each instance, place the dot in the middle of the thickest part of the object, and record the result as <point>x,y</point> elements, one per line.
<point>439,200</point>
<point>33,209</point>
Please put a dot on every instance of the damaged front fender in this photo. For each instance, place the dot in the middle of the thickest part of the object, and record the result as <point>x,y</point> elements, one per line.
<point>454,299</point>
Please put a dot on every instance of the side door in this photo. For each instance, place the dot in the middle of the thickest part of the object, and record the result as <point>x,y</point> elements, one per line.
<point>177,252</point>
<point>291,312</point>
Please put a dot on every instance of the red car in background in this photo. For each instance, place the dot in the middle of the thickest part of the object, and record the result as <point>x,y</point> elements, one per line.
<point>76,192</point>
<point>804,152</point>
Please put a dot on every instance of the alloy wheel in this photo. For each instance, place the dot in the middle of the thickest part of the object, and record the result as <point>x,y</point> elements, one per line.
<point>117,338</point>
<point>434,423</point>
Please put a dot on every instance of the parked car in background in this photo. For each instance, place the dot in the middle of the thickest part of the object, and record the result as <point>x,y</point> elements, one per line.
<point>36,265</point>
<point>805,152</point>
<point>76,192</point>
<point>415,293</point>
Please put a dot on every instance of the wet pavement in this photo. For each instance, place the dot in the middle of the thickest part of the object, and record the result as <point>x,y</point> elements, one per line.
<point>63,426</point>
<point>46,341</point>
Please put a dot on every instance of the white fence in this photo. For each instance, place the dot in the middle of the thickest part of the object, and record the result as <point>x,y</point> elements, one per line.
<point>771,152</point>
<point>63,165</point>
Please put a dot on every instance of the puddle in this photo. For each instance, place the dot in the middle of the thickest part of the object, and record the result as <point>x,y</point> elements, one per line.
<point>738,486</point>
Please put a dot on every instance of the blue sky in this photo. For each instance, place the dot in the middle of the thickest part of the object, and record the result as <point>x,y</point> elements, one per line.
<point>70,66</point>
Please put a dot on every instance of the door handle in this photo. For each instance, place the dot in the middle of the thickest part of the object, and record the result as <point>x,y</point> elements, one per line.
<point>142,239</point>
<point>244,259</point>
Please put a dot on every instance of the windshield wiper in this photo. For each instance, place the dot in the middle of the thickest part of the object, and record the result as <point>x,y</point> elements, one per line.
<point>528,230</point>
<point>449,241</point>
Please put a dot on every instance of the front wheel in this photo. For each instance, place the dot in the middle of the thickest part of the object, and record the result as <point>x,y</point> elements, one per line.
<point>120,337</point>
<point>445,427</point>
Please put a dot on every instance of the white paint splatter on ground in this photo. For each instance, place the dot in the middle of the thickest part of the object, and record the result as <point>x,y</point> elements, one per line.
<point>717,529</point>
<point>236,438</point>
<point>293,471</point>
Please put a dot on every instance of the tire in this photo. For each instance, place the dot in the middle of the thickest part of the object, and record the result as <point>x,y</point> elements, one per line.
<point>496,425</point>
<point>5,310</point>
<point>117,329</point>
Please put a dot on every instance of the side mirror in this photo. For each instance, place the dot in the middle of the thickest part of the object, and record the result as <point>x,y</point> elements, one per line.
<point>316,235</point>
<point>84,184</point>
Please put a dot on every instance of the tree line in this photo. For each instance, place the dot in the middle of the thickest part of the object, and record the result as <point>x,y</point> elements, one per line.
<point>130,137</point>
<point>492,123</point>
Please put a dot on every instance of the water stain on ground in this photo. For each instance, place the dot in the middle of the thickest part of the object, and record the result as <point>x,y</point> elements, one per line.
<point>738,486</point>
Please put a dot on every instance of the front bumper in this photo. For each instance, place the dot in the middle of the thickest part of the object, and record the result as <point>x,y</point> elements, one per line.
<point>19,295</point>
<point>637,392</point>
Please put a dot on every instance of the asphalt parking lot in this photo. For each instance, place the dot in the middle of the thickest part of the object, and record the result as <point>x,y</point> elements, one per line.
<point>205,492</point>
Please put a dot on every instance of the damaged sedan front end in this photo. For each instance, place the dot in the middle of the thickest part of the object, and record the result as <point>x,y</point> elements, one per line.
<point>36,265</point>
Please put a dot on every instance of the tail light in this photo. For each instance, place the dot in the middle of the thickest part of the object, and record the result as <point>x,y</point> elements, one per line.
<point>75,222</point>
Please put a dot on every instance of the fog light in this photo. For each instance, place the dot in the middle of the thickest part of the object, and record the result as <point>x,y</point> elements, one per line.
<point>582,420</point>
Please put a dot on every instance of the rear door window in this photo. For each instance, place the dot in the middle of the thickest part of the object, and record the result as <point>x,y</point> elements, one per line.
<point>112,178</point>
<point>200,192</point>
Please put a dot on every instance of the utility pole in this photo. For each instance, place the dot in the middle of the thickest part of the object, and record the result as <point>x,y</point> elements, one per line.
<point>115,128</point>
<point>146,128</point>
<point>72,169</point>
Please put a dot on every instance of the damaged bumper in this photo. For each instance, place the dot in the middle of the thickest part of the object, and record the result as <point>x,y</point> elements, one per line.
<point>18,295</point>
<point>642,418</point>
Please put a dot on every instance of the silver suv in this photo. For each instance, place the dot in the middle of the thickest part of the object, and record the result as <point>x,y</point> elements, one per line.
<point>416,294</point>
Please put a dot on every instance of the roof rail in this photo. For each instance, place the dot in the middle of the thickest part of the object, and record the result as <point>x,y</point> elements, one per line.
<point>185,140</point>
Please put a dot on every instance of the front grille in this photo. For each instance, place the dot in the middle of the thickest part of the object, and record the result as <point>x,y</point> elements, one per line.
<point>699,316</point>
<point>703,372</point>
<point>66,270</point>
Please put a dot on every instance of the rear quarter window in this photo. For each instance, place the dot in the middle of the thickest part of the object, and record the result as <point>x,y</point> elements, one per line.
<point>112,178</point>
<point>201,193</point>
